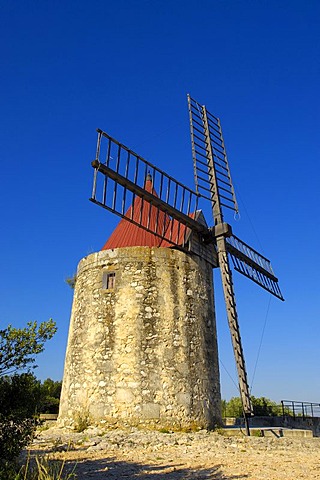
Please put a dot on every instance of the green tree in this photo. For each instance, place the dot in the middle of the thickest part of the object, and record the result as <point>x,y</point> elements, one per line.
<point>19,394</point>
<point>224,408</point>
<point>262,407</point>
<point>24,396</point>
<point>50,396</point>
<point>19,346</point>
<point>234,407</point>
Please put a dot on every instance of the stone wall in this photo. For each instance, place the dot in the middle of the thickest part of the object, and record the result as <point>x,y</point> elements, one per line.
<point>145,351</point>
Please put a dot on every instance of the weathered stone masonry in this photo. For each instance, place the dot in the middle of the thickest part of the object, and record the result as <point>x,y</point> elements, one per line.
<point>144,352</point>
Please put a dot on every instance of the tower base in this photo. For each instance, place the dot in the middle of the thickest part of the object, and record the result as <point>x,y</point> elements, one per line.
<point>142,347</point>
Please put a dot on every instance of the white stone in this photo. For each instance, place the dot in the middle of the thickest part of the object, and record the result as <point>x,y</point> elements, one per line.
<point>124,395</point>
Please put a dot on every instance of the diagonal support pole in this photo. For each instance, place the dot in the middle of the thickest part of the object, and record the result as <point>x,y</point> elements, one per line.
<point>227,283</point>
<point>229,297</point>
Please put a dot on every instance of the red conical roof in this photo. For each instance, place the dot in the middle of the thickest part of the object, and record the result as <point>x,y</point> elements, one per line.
<point>128,234</point>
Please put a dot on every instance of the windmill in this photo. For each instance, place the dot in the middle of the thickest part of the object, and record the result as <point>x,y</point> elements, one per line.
<point>169,210</point>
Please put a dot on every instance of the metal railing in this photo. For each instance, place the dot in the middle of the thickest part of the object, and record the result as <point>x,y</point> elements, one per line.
<point>302,410</point>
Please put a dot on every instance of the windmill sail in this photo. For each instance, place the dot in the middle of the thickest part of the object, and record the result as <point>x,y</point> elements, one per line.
<point>210,161</point>
<point>253,265</point>
<point>165,209</point>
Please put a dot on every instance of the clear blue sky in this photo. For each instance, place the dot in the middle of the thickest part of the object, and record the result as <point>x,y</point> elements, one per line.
<point>126,66</point>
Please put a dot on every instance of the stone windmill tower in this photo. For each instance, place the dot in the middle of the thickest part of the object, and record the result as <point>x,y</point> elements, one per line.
<point>142,345</point>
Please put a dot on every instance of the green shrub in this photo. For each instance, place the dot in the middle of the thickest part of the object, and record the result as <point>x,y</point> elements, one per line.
<point>9,471</point>
<point>14,436</point>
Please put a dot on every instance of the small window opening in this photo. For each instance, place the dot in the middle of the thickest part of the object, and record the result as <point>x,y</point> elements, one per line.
<point>108,280</point>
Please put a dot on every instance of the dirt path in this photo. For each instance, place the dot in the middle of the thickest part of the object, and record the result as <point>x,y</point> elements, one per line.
<point>127,454</point>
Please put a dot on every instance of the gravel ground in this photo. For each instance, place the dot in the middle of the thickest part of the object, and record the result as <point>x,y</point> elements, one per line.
<point>151,455</point>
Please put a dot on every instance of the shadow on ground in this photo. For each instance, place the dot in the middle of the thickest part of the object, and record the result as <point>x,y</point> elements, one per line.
<point>108,468</point>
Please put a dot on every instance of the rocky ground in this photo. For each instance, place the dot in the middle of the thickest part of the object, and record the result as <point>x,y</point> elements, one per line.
<point>116,454</point>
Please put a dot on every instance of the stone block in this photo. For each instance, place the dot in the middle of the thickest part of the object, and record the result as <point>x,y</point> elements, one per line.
<point>150,411</point>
